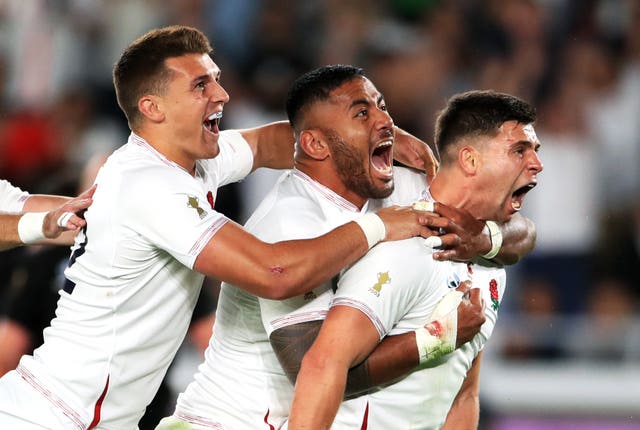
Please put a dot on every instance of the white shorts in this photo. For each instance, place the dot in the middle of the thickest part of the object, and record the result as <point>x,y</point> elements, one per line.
<point>24,408</point>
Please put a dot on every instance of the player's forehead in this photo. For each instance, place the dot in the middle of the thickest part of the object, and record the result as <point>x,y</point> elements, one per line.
<point>514,131</point>
<point>357,90</point>
<point>190,65</point>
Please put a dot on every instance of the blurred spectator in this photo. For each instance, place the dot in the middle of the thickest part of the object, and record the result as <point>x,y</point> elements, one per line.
<point>536,306</point>
<point>607,332</point>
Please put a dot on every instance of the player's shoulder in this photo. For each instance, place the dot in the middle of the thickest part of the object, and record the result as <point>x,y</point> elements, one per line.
<point>400,256</point>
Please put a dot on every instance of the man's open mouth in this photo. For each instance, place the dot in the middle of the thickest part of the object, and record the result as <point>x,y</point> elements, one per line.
<point>212,122</point>
<point>518,195</point>
<point>381,158</point>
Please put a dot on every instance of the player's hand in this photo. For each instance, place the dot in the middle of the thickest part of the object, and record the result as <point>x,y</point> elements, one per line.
<point>69,216</point>
<point>403,222</point>
<point>413,152</point>
<point>470,313</point>
<point>467,239</point>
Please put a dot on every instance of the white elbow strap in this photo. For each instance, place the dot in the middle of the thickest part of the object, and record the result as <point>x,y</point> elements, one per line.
<point>438,338</point>
<point>495,234</point>
<point>373,228</point>
<point>30,227</point>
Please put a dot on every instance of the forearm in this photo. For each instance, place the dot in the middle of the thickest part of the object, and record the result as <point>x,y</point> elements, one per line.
<point>44,202</point>
<point>323,377</point>
<point>464,414</point>
<point>9,237</point>
<point>284,269</point>
<point>518,239</point>
<point>395,356</point>
<point>272,145</point>
<point>465,411</point>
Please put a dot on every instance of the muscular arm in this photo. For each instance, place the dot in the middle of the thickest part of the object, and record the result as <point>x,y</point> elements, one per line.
<point>9,231</point>
<point>321,382</point>
<point>272,145</point>
<point>465,411</point>
<point>392,358</point>
<point>413,152</point>
<point>290,268</point>
<point>519,238</point>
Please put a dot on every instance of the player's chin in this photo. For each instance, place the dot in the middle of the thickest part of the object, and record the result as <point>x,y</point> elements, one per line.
<point>211,149</point>
<point>383,188</point>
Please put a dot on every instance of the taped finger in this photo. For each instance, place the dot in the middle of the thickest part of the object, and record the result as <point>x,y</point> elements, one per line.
<point>64,219</point>
<point>433,241</point>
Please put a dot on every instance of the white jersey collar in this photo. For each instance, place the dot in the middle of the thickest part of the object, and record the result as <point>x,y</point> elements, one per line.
<point>328,194</point>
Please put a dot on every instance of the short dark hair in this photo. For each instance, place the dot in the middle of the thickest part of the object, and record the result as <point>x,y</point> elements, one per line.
<point>478,113</point>
<point>141,68</point>
<point>315,86</point>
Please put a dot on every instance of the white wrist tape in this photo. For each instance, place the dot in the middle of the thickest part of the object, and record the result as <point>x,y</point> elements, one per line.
<point>373,228</point>
<point>495,235</point>
<point>64,219</point>
<point>30,227</point>
<point>438,338</point>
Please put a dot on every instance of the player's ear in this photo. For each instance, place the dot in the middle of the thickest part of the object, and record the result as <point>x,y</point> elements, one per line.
<point>313,144</point>
<point>469,159</point>
<point>150,107</point>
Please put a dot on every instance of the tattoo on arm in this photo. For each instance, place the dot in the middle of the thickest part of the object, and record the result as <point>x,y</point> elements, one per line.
<point>291,343</point>
<point>393,358</point>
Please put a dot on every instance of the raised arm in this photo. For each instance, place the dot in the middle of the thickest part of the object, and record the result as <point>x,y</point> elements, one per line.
<point>272,145</point>
<point>413,152</point>
<point>290,268</point>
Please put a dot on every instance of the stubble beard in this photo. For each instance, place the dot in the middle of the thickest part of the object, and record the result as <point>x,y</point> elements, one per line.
<point>351,169</point>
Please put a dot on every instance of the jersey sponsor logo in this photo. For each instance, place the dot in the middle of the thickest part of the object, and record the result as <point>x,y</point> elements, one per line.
<point>210,199</point>
<point>383,278</point>
<point>194,202</point>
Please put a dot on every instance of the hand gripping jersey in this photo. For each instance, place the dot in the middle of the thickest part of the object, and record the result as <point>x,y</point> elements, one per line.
<point>130,288</point>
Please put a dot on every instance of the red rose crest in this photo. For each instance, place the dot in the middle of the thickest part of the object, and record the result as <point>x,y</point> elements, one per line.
<point>493,289</point>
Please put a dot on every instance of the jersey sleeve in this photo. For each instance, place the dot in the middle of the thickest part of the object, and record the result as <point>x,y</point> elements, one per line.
<point>391,282</point>
<point>12,198</point>
<point>235,160</point>
<point>272,225</point>
<point>174,216</point>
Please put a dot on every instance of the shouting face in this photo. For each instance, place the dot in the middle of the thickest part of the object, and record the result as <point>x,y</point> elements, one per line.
<point>359,133</point>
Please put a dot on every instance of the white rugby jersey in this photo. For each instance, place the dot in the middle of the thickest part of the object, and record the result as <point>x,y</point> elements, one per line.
<point>12,198</point>
<point>241,384</point>
<point>397,285</point>
<point>131,289</point>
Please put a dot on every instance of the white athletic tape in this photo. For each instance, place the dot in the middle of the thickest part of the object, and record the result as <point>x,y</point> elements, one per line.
<point>495,234</point>
<point>64,219</point>
<point>438,338</point>
<point>30,227</point>
<point>373,228</point>
<point>433,241</point>
<point>423,205</point>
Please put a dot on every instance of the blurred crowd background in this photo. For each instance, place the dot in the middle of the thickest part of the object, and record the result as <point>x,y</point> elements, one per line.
<point>566,352</point>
